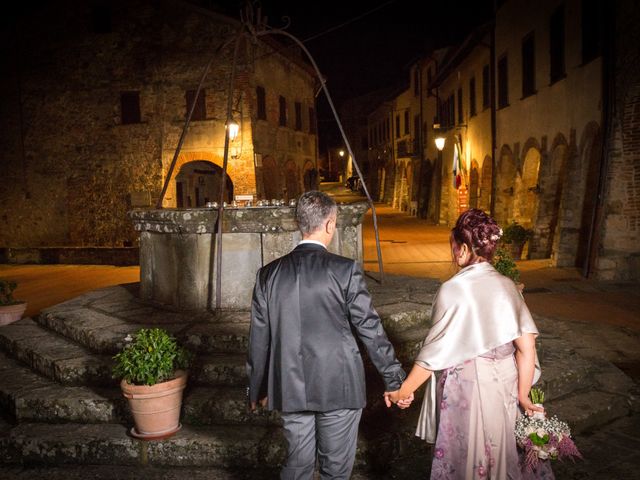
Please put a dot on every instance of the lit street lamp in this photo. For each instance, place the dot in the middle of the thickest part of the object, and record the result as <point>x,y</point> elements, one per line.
<point>440,143</point>
<point>233,128</point>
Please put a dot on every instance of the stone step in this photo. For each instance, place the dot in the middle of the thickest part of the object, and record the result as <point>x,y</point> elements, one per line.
<point>30,397</point>
<point>54,356</point>
<point>588,410</point>
<point>110,444</point>
<point>223,406</point>
<point>563,369</point>
<point>219,369</point>
<point>105,332</point>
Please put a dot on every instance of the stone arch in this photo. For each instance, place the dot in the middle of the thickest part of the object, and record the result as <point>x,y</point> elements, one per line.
<point>581,202</point>
<point>505,191</point>
<point>199,182</point>
<point>270,178</point>
<point>474,185</point>
<point>551,182</point>
<point>525,206</point>
<point>484,202</point>
<point>291,179</point>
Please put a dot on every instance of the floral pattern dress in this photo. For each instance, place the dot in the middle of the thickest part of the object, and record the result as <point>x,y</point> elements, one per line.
<point>477,407</point>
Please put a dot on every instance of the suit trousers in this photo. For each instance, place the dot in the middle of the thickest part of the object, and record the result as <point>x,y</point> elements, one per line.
<point>332,436</point>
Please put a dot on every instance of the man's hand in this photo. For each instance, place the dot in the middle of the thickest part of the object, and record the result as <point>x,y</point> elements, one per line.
<point>394,397</point>
<point>262,402</point>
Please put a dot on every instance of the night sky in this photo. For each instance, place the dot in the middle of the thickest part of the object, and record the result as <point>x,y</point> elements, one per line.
<point>358,46</point>
<point>374,46</point>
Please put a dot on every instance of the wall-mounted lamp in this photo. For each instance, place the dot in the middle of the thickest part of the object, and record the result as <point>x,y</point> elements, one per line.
<point>341,153</point>
<point>440,143</point>
<point>233,128</point>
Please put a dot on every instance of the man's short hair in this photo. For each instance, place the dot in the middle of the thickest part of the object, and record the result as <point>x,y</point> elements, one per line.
<point>313,209</point>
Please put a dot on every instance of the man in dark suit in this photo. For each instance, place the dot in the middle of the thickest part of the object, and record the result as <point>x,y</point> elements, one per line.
<point>303,357</point>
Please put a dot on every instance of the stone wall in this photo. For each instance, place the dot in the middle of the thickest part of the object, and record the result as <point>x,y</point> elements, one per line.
<point>619,252</point>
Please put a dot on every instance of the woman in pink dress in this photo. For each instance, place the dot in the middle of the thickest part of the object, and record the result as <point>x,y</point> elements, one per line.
<point>482,347</point>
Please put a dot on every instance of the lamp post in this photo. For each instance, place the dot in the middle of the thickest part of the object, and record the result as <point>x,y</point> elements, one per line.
<point>439,141</point>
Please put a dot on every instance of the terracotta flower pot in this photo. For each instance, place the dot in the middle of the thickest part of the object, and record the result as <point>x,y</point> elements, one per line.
<point>155,408</point>
<point>11,313</point>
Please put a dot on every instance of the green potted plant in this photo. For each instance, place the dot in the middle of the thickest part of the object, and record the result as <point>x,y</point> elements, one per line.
<point>11,309</point>
<point>515,236</point>
<point>152,369</point>
<point>505,265</point>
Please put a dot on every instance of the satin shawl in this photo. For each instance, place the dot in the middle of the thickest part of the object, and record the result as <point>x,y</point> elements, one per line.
<point>475,311</point>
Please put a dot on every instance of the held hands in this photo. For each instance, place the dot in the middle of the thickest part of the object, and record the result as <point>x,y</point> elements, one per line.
<point>394,397</point>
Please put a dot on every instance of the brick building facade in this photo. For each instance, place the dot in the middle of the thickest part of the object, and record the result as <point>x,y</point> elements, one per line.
<point>94,101</point>
<point>522,106</point>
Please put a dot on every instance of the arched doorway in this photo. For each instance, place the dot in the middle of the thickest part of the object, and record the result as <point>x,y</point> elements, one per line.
<point>504,186</point>
<point>525,206</point>
<point>198,182</point>
<point>484,201</point>
<point>590,162</point>
<point>474,185</point>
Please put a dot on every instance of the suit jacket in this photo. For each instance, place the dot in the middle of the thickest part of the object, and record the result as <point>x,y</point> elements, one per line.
<point>302,350</point>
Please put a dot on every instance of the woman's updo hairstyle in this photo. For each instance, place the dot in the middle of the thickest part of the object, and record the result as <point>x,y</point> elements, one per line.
<point>479,232</point>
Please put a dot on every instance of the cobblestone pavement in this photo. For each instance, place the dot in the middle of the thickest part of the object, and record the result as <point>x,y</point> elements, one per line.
<point>601,318</point>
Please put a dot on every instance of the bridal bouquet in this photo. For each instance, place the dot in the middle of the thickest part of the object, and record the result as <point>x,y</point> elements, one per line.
<point>543,438</point>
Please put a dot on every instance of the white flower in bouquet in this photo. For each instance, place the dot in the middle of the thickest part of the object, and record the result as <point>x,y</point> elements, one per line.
<point>544,438</point>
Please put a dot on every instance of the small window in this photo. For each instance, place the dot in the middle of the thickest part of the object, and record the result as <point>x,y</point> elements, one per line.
<point>460,113</point>
<point>416,128</point>
<point>397,126</point>
<point>503,82</point>
<point>406,122</point>
<point>556,44</point>
<point>313,125</point>
<point>282,119</point>
<point>472,96</point>
<point>129,107</point>
<point>486,87</point>
<point>528,65</point>
<point>416,82</point>
<point>261,98</point>
<point>298,107</point>
<point>591,30</point>
<point>200,109</point>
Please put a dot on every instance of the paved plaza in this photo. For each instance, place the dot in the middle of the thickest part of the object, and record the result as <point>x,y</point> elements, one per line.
<point>598,322</point>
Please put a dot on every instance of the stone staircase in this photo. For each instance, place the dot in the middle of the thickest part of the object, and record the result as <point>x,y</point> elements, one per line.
<point>61,406</point>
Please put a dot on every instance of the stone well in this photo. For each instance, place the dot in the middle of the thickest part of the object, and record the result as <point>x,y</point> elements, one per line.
<point>177,267</point>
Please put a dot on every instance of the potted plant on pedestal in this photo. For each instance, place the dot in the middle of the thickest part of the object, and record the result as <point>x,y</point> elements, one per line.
<point>515,236</point>
<point>11,309</point>
<point>152,368</point>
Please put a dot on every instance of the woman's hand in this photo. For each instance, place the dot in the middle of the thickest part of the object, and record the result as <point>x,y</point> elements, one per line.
<point>528,406</point>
